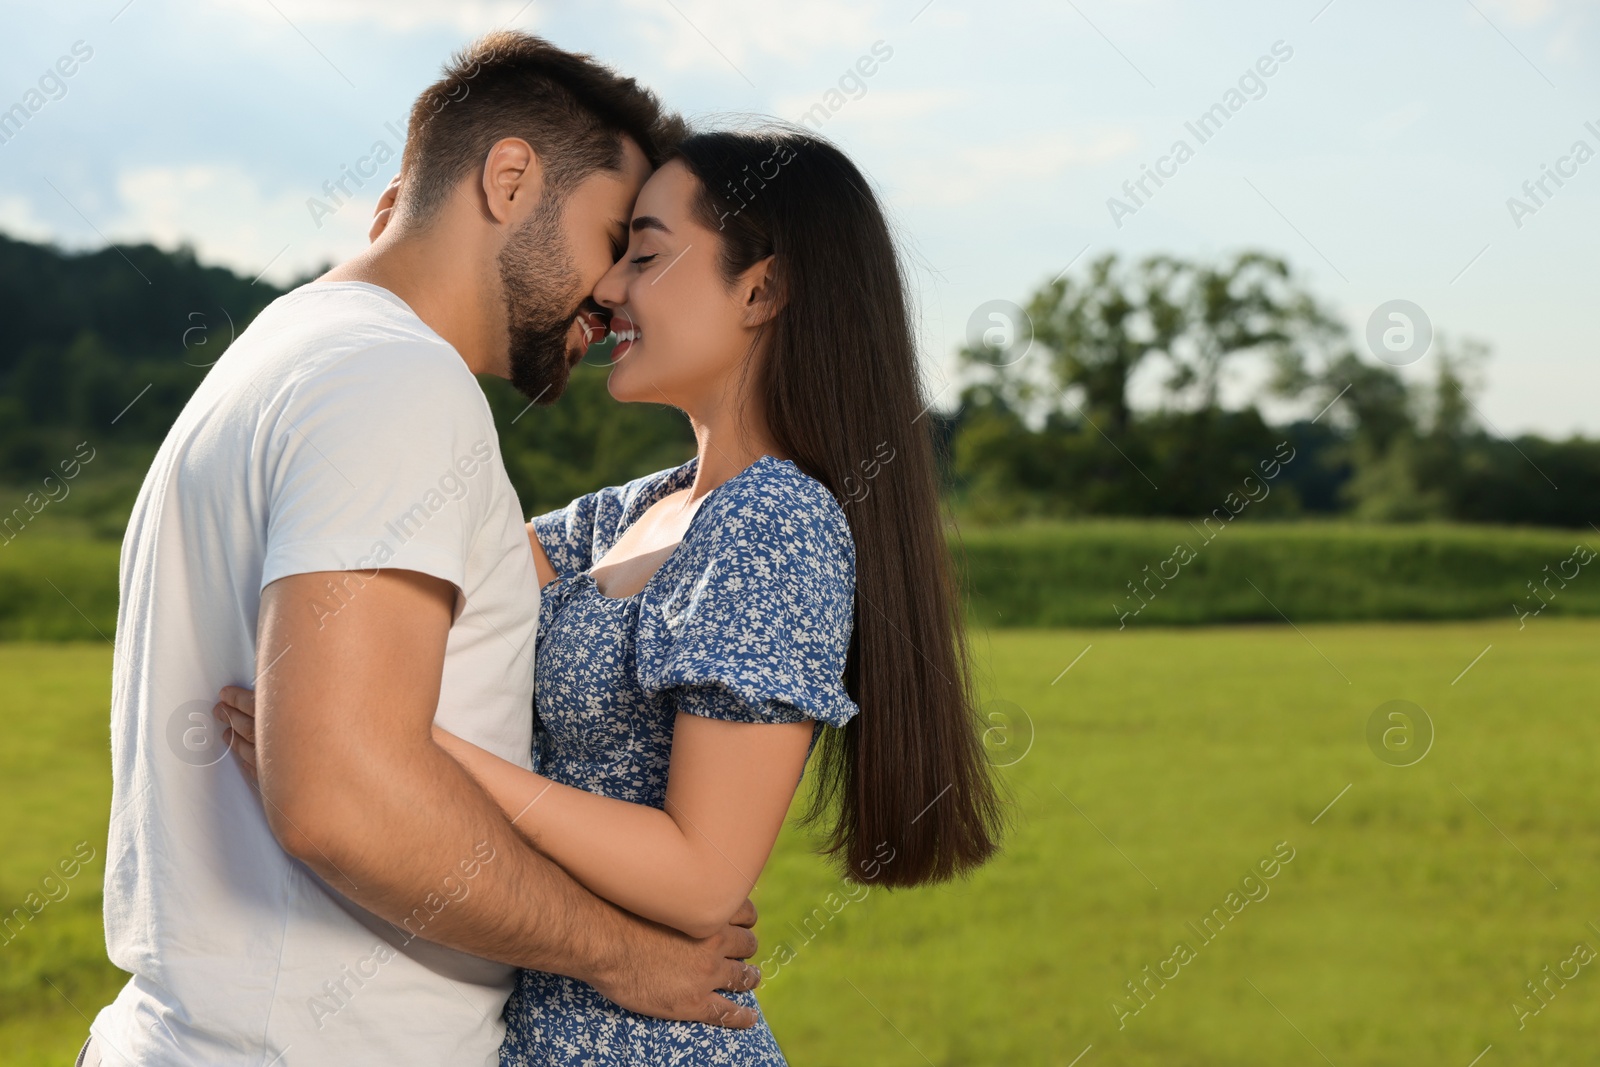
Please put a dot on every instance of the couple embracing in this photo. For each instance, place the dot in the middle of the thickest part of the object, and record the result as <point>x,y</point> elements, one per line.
<point>499,790</point>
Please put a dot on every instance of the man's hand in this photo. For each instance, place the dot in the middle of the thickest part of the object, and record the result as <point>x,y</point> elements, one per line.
<point>675,978</point>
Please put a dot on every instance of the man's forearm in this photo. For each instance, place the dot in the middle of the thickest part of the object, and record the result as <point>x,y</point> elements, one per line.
<point>631,854</point>
<point>416,842</point>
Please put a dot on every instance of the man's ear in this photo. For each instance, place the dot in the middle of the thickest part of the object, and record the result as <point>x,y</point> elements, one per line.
<point>763,292</point>
<point>513,179</point>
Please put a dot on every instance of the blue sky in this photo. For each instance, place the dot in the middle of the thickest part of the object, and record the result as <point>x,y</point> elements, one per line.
<point>1379,156</point>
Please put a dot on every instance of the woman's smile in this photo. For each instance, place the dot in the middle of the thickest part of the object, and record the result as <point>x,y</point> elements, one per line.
<point>626,333</point>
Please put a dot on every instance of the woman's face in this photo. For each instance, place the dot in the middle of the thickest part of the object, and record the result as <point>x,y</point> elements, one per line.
<point>684,333</point>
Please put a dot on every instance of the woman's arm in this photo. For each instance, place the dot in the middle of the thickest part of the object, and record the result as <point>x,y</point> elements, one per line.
<point>729,786</point>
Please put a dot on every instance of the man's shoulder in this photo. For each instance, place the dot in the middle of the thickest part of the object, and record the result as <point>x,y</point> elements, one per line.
<point>358,344</point>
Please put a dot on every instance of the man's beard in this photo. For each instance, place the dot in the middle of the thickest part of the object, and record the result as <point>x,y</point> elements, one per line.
<point>543,297</point>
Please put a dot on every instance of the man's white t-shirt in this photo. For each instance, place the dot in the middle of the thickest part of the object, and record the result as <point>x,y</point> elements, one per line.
<point>338,433</point>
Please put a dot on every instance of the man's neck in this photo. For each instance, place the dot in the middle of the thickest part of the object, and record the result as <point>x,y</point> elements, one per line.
<point>440,282</point>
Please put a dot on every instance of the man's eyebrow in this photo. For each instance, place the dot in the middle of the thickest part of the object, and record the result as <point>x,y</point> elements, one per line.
<point>649,222</point>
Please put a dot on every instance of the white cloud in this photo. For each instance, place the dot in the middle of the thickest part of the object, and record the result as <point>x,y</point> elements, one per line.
<point>1563,22</point>
<point>877,105</point>
<point>1522,12</point>
<point>691,33</point>
<point>1391,124</point>
<point>466,16</point>
<point>229,219</point>
<point>998,171</point>
<point>17,219</point>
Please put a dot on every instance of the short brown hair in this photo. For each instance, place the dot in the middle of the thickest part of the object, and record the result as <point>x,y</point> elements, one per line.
<point>570,108</point>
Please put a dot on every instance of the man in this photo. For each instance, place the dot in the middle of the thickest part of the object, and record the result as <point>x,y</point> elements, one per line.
<point>330,521</point>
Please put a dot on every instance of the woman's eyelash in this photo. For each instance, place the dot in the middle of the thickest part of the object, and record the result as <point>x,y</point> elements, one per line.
<point>641,260</point>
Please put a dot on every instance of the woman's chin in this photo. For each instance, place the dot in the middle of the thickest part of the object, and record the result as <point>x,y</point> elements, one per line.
<point>622,387</point>
<point>635,383</point>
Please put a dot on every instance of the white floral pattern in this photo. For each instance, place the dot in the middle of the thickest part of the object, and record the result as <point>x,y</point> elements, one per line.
<point>749,619</point>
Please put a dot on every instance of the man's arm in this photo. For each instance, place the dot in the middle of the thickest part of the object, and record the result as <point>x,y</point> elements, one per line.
<point>688,866</point>
<point>355,788</point>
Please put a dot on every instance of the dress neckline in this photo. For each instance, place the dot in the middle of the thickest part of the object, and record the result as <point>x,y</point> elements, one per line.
<point>647,501</point>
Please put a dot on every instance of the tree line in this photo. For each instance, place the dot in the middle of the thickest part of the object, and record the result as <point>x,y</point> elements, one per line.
<point>105,347</point>
<point>1047,425</point>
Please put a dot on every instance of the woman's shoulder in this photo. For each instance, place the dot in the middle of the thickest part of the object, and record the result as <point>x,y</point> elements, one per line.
<point>773,509</point>
<point>775,494</point>
<point>760,597</point>
<point>633,497</point>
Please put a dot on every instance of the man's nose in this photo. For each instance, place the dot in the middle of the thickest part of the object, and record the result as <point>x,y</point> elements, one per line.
<point>610,291</point>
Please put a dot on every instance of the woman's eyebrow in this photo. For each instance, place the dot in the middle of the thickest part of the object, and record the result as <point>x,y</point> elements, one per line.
<point>649,222</point>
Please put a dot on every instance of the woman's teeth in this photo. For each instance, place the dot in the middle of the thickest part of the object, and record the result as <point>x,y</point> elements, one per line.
<point>626,335</point>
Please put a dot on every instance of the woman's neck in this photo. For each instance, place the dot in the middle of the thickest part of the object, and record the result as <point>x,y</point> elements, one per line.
<point>724,447</point>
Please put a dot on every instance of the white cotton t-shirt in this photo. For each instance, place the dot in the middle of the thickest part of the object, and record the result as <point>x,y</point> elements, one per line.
<point>338,433</point>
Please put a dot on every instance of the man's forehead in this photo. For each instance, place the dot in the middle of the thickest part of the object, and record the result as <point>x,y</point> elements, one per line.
<point>635,169</point>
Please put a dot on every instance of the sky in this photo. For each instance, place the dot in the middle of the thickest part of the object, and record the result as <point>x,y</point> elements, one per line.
<point>1384,155</point>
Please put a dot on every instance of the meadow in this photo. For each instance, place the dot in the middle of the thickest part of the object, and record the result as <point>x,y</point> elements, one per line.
<point>1152,770</point>
<point>58,580</point>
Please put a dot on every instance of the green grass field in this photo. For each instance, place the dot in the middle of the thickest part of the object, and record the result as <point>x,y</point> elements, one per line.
<point>1414,909</point>
<point>58,583</point>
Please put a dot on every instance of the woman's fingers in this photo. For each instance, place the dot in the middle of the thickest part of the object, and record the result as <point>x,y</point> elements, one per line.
<point>237,721</point>
<point>244,750</point>
<point>240,699</point>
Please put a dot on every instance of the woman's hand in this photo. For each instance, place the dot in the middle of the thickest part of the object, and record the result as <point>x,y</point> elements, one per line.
<point>236,710</point>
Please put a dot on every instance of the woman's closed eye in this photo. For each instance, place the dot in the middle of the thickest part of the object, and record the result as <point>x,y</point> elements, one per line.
<point>642,260</point>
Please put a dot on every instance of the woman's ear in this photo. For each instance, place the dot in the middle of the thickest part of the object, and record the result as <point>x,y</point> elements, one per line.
<point>763,292</point>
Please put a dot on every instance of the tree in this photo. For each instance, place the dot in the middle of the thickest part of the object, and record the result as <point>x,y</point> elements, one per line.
<point>1095,334</point>
<point>1250,304</point>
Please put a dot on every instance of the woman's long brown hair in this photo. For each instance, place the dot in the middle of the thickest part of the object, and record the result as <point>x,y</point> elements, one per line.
<point>904,790</point>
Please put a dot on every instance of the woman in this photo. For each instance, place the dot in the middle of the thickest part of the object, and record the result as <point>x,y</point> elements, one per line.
<point>700,625</point>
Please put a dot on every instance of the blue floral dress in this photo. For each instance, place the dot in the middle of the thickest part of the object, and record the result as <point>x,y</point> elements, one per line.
<point>749,619</point>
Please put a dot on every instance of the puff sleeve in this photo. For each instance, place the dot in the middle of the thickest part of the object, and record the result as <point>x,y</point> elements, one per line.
<point>756,624</point>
